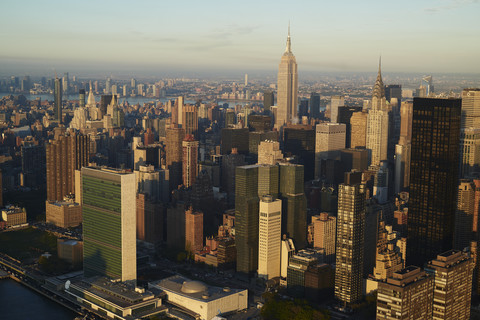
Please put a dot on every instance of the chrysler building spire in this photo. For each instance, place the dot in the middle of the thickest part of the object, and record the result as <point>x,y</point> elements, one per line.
<point>379,88</point>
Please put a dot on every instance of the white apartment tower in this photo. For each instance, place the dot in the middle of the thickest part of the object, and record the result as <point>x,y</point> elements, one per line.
<point>269,238</point>
<point>350,239</point>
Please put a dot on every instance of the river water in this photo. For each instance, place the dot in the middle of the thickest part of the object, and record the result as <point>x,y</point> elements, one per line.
<point>21,303</point>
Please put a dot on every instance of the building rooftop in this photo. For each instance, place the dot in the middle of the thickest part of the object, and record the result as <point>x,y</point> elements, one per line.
<point>193,289</point>
<point>118,293</point>
<point>110,170</point>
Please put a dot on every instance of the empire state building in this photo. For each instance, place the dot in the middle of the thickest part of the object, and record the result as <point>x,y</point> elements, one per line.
<point>287,87</point>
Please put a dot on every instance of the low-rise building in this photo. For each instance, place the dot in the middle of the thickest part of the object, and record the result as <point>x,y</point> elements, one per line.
<point>63,214</point>
<point>205,301</point>
<point>70,250</point>
<point>114,300</point>
<point>14,216</point>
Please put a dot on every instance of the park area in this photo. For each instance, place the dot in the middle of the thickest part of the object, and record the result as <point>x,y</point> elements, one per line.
<point>27,244</point>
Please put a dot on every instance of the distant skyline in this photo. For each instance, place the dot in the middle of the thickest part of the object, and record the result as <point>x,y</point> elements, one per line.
<point>195,37</point>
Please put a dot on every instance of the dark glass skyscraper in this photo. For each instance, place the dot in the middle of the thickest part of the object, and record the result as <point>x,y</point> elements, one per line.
<point>246,218</point>
<point>433,178</point>
<point>314,104</point>
<point>294,203</point>
<point>58,100</point>
<point>268,99</point>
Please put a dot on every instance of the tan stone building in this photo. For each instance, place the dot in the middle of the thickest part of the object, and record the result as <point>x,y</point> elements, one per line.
<point>358,124</point>
<point>63,214</point>
<point>324,233</point>
<point>14,216</point>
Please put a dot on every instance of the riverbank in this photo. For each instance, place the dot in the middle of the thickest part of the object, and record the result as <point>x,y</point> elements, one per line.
<point>19,302</point>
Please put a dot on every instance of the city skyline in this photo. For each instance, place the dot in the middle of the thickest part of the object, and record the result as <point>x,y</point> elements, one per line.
<point>219,37</point>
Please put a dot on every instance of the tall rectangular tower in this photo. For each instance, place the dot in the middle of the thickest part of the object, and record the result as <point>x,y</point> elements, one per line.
<point>270,230</point>
<point>294,204</point>
<point>433,178</point>
<point>193,230</point>
<point>246,218</point>
<point>109,228</point>
<point>329,140</point>
<point>350,238</point>
<point>470,132</point>
<point>64,155</point>
<point>58,100</point>
<point>190,158</point>
<point>335,103</point>
<point>174,154</point>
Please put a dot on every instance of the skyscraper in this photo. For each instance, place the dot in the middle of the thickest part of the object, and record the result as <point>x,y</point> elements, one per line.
<point>329,140</point>
<point>64,155</point>
<point>246,218</point>
<point>344,115</point>
<point>358,125</point>
<point>190,119</point>
<point>190,157</point>
<point>109,229</point>
<point>325,228</point>
<point>174,155</point>
<point>335,103</point>
<point>294,203</point>
<point>433,178</point>
<point>193,230</point>
<point>378,122</point>
<point>58,99</point>
<point>270,230</point>
<point>268,100</point>
<point>287,87</point>
<point>403,148</point>
<point>470,132</point>
<point>350,238</point>
<point>314,105</point>
<point>465,215</point>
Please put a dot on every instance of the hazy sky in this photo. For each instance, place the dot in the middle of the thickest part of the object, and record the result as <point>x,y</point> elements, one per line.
<point>425,36</point>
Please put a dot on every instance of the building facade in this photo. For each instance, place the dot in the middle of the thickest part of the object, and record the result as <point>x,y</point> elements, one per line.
<point>433,177</point>
<point>109,209</point>
<point>350,238</point>
<point>269,239</point>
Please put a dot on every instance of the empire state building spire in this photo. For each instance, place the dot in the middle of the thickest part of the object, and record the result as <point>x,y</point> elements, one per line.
<point>288,49</point>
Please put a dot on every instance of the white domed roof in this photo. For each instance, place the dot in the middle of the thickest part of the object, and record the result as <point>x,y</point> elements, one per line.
<point>193,287</point>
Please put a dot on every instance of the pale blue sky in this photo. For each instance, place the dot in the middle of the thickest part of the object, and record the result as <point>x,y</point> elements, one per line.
<point>422,36</point>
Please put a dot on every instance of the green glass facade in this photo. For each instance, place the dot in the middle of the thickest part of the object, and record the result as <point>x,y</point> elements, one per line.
<point>102,228</point>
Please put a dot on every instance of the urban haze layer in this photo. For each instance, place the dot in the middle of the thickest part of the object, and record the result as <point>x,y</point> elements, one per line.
<point>335,196</point>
